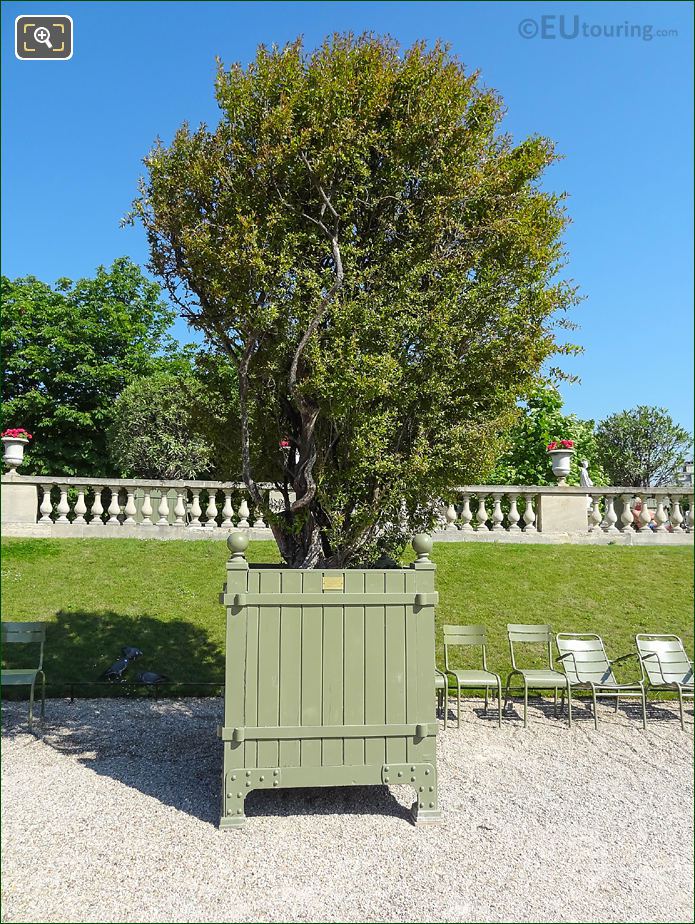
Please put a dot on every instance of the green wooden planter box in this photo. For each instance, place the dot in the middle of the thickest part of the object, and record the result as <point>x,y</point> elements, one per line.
<point>329,679</point>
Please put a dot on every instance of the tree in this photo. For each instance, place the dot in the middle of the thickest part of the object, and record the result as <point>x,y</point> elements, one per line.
<point>68,351</point>
<point>381,266</point>
<point>642,446</point>
<point>541,420</point>
<point>152,433</point>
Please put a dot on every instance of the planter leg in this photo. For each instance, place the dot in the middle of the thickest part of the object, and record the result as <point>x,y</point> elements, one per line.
<point>425,810</point>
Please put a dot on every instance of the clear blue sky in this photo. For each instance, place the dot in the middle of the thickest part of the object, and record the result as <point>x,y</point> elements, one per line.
<point>620,109</point>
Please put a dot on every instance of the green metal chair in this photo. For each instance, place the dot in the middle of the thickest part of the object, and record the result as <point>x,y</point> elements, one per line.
<point>470,636</point>
<point>588,667</point>
<point>666,666</point>
<point>25,633</point>
<point>546,678</point>
<point>441,689</point>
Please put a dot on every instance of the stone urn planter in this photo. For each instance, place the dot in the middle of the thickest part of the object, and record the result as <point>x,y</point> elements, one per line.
<point>561,459</point>
<point>329,679</point>
<point>14,447</point>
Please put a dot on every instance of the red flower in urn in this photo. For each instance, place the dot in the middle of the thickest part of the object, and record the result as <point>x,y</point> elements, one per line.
<point>560,444</point>
<point>18,433</point>
<point>284,443</point>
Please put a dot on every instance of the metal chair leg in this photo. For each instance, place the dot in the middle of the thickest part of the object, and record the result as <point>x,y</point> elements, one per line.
<point>569,705</point>
<point>617,702</point>
<point>486,692</point>
<point>458,706</point>
<point>31,705</point>
<point>555,702</point>
<point>499,704</point>
<point>644,710</point>
<point>43,695</point>
<point>680,703</point>
<point>525,703</point>
<point>506,692</point>
<point>593,693</point>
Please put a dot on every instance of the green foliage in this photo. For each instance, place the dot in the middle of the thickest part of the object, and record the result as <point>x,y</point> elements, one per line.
<point>540,421</point>
<point>163,598</point>
<point>152,434</point>
<point>642,446</point>
<point>380,263</point>
<point>68,351</point>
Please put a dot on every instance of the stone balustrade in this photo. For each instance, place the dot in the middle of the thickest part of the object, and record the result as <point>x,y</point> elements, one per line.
<point>41,505</point>
<point>122,503</point>
<point>594,512</point>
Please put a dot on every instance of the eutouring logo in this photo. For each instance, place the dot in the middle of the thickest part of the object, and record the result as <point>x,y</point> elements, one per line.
<point>560,26</point>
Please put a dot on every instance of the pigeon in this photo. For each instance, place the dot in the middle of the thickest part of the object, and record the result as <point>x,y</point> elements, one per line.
<point>114,673</point>
<point>150,678</point>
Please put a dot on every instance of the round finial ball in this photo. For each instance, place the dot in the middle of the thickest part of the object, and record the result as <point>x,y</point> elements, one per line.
<point>237,542</point>
<point>422,544</point>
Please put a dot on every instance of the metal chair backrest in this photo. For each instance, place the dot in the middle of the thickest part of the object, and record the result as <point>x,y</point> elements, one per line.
<point>586,659</point>
<point>24,633</point>
<point>521,634</point>
<point>663,659</point>
<point>470,636</point>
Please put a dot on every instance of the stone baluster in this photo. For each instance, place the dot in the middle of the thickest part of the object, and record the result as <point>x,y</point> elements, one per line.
<point>130,509</point>
<point>451,517</point>
<point>46,507</point>
<point>481,512</point>
<point>97,507</point>
<point>595,515</point>
<point>211,510</point>
<point>529,516</point>
<point>610,518</point>
<point>243,514</point>
<point>645,514</point>
<point>63,507</point>
<point>80,508</point>
<point>660,516</point>
<point>676,515</point>
<point>497,515</point>
<point>195,508</point>
<point>513,515</point>
<point>180,507</point>
<point>466,515</point>
<point>146,509</point>
<point>259,522</point>
<point>626,517</point>
<point>163,509</point>
<point>227,511</point>
<point>691,515</point>
<point>114,508</point>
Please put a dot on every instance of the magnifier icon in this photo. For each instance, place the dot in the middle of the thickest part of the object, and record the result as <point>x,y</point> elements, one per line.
<point>43,36</point>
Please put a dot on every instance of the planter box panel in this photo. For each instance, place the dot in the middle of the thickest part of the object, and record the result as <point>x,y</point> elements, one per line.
<point>336,690</point>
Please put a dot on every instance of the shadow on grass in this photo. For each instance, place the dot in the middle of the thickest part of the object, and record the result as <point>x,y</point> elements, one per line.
<point>80,645</point>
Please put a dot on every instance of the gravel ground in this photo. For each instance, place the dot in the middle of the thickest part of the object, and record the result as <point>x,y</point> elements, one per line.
<point>109,814</point>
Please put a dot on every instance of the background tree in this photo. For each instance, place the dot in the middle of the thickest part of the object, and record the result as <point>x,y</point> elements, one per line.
<point>68,350</point>
<point>380,264</point>
<point>152,433</point>
<point>541,419</point>
<point>643,446</point>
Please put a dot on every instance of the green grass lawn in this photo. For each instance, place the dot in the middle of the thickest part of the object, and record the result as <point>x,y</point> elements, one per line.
<point>162,597</point>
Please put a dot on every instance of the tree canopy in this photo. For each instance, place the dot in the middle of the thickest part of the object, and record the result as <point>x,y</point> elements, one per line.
<point>643,446</point>
<point>68,351</point>
<point>542,420</point>
<point>153,432</point>
<point>380,263</point>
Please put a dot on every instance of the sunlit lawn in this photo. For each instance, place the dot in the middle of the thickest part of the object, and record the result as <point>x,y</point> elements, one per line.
<point>98,595</point>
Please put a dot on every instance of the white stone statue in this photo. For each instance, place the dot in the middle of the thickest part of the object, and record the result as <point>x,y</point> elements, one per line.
<point>584,477</point>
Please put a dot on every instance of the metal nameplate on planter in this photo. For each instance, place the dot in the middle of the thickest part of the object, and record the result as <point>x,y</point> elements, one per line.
<point>334,582</point>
